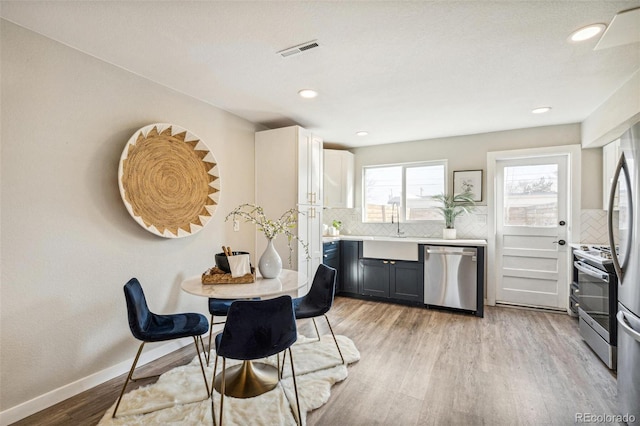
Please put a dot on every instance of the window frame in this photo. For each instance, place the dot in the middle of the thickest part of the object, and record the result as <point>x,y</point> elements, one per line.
<point>404,166</point>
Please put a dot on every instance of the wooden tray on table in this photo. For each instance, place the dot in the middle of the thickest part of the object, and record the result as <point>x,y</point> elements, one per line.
<point>218,276</point>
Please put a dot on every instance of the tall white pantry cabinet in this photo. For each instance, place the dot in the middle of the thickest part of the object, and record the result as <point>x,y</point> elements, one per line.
<point>288,170</point>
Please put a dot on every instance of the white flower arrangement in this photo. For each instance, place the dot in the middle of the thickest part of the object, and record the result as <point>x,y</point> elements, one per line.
<point>271,228</point>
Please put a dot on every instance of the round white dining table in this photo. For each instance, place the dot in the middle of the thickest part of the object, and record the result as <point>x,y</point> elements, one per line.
<point>249,378</point>
<point>288,282</point>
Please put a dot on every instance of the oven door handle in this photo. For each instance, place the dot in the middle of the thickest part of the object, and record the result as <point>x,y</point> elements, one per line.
<point>593,272</point>
<point>626,326</point>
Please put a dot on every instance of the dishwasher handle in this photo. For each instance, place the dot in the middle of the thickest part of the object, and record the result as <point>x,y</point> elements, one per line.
<point>452,253</point>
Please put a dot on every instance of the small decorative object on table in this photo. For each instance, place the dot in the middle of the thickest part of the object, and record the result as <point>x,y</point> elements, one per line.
<point>270,263</point>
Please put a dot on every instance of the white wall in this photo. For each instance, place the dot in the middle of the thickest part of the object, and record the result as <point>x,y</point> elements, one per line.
<point>68,244</point>
<point>470,153</point>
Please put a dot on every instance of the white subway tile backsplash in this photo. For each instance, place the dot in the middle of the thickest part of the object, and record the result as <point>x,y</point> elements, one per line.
<point>473,226</point>
<point>593,225</point>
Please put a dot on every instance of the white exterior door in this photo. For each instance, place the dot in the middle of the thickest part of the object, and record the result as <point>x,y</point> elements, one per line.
<point>532,203</point>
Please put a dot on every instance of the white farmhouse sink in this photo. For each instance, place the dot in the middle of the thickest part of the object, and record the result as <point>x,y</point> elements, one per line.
<point>395,250</point>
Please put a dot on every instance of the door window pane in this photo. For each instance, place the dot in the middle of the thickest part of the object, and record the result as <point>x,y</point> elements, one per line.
<point>531,195</point>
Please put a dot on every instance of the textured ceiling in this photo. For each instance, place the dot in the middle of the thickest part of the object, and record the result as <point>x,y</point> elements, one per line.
<point>400,70</point>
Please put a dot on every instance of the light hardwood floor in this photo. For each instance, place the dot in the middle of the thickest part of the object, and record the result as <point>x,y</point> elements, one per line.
<point>423,367</point>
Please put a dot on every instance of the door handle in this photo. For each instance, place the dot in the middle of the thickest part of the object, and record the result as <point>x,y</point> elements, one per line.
<point>560,242</point>
<point>621,167</point>
<point>626,326</point>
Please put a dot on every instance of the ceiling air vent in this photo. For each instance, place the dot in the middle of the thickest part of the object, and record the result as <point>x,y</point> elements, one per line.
<point>299,48</point>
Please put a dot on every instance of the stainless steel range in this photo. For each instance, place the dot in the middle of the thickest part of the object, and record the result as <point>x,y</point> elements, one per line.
<point>597,284</point>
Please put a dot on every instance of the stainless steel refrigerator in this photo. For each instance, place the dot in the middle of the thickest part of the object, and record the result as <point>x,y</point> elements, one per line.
<point>627,266</point>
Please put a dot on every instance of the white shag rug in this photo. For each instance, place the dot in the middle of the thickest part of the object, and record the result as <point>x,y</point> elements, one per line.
<point>179,396</point>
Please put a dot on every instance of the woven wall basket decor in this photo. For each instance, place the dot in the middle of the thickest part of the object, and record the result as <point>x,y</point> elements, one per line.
<point>169,180</point>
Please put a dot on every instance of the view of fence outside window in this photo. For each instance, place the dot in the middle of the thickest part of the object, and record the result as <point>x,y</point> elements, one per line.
<point>531,195</point>
<point>402,191</point>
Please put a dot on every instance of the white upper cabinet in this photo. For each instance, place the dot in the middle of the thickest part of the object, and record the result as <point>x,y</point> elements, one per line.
<point>610,157</point>
<point>288,173</point>
<point>338,178</point>
<point>310,183</point>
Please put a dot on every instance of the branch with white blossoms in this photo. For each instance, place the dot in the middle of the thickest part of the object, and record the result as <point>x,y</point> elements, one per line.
<point>271,228</point>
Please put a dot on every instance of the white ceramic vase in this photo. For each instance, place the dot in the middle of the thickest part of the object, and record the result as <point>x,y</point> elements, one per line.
<point>270,263</point>
<point>449,233</point>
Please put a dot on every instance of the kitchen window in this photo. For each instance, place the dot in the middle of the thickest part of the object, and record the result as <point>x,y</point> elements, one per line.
<point>402,190</point>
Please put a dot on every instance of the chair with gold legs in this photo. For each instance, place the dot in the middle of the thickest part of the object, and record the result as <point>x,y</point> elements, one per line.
<point>149,327</point>
<point>254,329</point>
<point>319,300</point>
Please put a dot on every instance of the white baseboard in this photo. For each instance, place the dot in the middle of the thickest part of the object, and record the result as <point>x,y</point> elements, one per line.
<point>55,396</point>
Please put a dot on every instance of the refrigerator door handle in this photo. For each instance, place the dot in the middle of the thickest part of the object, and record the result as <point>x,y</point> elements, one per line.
<point>621,167</point>
<point>626,326</point>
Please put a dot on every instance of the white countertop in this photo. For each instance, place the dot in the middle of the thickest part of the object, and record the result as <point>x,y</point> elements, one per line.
<point>408,239</point>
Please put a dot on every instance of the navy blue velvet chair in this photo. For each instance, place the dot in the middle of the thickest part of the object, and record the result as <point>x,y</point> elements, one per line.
<point>318,301</point>
<point>218,308</point>
<point>254,329</point>
<point>149,327</point>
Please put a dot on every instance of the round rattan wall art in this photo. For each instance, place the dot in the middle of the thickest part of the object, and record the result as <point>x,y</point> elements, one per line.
<point>169,180</point>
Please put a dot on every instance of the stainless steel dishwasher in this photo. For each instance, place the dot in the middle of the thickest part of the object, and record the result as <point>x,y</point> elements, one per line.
<point>451,277</point>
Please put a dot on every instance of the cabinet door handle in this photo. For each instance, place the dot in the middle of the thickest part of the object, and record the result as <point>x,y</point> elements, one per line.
<point>393,262</point>
<point>385,261</point>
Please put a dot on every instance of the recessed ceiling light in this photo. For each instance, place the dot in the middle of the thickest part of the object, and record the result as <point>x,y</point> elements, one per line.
<point>587,32</point>
<point>362,133</point>
<point>308,93</point>
<point>541,110</point>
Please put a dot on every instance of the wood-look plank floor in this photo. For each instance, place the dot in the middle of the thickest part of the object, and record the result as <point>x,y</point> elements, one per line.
<point>424,367</point>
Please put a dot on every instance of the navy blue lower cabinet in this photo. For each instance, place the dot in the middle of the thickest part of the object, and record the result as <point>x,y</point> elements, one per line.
<point>395,280</point>
<point>350,252</point>
<point>331,257</point>
<point>406,281</point>
<point>375,277</point>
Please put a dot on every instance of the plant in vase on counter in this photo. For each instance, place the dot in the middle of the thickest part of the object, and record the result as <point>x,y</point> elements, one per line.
<point>334,231</point>
<point>270,263</point>
<point>452,206</point>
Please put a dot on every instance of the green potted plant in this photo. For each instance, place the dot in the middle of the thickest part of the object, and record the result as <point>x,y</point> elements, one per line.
<point>452,206</point>
<point>336,224</point>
